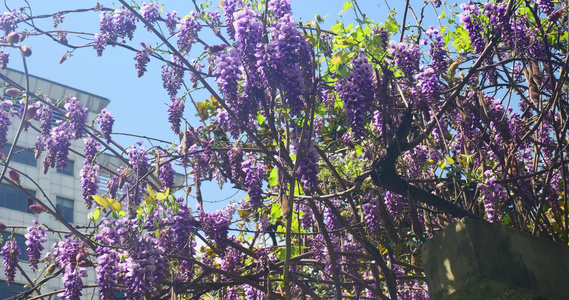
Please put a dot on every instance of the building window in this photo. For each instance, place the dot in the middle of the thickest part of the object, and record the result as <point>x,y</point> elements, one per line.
<point>13,198</point>
<point>10,291</point>
<point>21,240</point>
<point>70,165</point>
<point>21,155</point>
<point>64,207</point>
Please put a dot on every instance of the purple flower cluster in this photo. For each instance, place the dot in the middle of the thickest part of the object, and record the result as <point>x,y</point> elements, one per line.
<point>286,62</point>
<point>493,195</point>
<point>34,238</point>
<point>371,214</point>
<point>172,76</point>
<point>144,267</point>
<point>279,8</point>
<point>416,291</point>
<point>72,283</point>
<point>45,115</point>
<point>113,184</point>
<point>106,122</point>
<point>9,20</point>
<point>308,168</point>
<point>178,239</point>
<point>57,145</point>
<point>248,29</point>
<point>330,218</point>
<point>91,149</point>
<point>175,113</point>
<point>77,115</point>
<point>231,260</point>
<point>188,29</point>
<point>395,203</point>
<point>68,255</point>
<point>10,252</point>
<point>172,21</point>
<point>142,58</point>
<point>117,24</point>
<point>497,16</point>
<point>166,174</point>
<point>138,160</point>
<point>468,19</point>
<point>230,7</point>
<point>150,11</point>
<point>252,293</point>
<point>99,43</point>
<point>437,52</point>
<point>235,157</point>
<point>227,72</point>
<point>216,225</point>
<point>546,6</point>
<point>428,83</point>
<point>89,183</point>
<point>357,93</point>
<point>254,171</point>
<point>406,56</point>
<point>108,259</point>
<point>58,141</point>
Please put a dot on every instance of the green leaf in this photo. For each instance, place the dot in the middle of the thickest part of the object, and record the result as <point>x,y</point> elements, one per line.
<point>461,40</point>
<point>261,119</point>
<point>337,58</point>
<point>96,214</point>
<point>108,203</point>
<point>358,150</point>
<point>337,27</point>
<point>346,6</point>
<point>282,254</point>
<point>162,196</point>
<point>273,177</point>
<point>391,25</point>
<point>151,192</point>
<point>347,42</point>
<point>149,201</point>
<point>275,211</point>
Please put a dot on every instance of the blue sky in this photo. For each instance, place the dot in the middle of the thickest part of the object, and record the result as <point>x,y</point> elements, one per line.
<point>138,104</point>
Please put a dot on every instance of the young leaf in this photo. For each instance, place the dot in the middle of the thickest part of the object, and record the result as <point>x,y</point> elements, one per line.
<point>108,203</point>
<point>273,177</point>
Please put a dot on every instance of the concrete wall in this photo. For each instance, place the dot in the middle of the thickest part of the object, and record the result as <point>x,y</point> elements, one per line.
<point>473,259</point>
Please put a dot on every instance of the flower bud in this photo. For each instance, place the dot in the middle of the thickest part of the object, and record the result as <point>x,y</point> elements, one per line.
<point>80,256</point>
<point>36,209</point>
<point>50,269</point>
<point>26,51</point>
<point>12,92</point>
<point>85,263</point>
<point>556,14</point>
<point>14,176</point>
<point>13,37</point>
<point>32,112</point>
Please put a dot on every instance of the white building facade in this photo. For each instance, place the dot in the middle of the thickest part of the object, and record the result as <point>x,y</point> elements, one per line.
<point>62,187</point>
